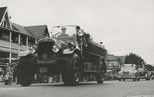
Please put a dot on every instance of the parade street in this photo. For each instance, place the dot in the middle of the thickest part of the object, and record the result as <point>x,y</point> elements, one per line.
<point>126,88</point>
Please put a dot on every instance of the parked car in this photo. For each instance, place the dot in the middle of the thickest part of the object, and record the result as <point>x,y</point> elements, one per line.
<point>129,71</point>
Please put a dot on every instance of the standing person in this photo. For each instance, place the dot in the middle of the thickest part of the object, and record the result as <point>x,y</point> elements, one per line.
<point>14,71</point>
<point>77,31</point>
<point>9,73</point>
<point>7,78</point>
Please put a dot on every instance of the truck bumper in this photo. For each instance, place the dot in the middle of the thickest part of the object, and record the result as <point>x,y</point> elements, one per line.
<point>50,61</point>
<point>50,66</point>
<point>126,76</point>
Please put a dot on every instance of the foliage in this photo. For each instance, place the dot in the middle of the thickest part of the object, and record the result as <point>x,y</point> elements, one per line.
<point>134,59</point>
<point>149,67</point>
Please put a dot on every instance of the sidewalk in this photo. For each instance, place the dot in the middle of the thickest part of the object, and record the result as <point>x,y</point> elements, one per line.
<point>3,85</point>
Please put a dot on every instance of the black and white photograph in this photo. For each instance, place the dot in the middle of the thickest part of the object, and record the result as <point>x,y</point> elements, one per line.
<point>76,48</point>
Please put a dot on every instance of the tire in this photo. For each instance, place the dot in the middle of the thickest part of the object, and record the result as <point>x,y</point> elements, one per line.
<point>138,79</point>
<point>134,79</point>
<point>119,79</point>
<point>99,78</point>
<point>123,79</point>
<point>72,70</point>
<point>137,76</point>
<point>147,78</point>
<point>25,74</point>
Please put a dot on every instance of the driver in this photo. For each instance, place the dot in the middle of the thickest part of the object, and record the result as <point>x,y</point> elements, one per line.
<point>63,30</point>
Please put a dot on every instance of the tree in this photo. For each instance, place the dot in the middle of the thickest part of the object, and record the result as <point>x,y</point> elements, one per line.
<point>134,59</point>
<point>149,67</point>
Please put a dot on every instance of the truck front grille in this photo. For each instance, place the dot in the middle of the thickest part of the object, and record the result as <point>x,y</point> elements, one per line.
<point>45,51</point>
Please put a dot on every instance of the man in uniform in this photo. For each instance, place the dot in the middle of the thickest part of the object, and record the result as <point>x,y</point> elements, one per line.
<point>63,32</point>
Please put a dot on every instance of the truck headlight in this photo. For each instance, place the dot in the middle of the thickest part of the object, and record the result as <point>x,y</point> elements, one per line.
<point>55,48</point>
<point>81,33</point>
<point>32,49</point>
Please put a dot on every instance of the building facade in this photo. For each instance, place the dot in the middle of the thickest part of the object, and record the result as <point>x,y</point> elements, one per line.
<point>15,38</point>
<point>113,64</point>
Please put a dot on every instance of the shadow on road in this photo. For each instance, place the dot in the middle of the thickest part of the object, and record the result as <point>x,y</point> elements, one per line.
<point>131,80</point>
<point>62,85</point>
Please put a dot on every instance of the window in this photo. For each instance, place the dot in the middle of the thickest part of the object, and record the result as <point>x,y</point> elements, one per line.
<point>31,41</point>
<point>4,23</point>
<point>15,37</point>
<point>4,36</point>
<point>23,40</point>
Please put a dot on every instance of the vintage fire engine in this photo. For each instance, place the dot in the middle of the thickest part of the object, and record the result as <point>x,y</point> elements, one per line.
<point>70,52</point>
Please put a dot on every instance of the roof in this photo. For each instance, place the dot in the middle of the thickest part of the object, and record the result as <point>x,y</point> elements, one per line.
<point>111,57</point>
<point>2,11</point>
<point>21,29</point>
<point>38,31</point>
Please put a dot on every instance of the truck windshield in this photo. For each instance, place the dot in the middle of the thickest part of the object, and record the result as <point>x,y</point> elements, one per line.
<point>65,33</point>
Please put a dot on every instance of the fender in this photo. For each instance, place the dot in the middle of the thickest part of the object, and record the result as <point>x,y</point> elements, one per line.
<point>70,51</point>
<point>25,53</point>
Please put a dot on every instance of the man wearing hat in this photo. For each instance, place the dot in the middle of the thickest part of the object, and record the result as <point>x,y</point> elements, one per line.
<point>64,32</point>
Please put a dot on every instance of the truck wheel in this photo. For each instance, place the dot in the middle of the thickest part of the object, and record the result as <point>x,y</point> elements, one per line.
<point>134,79</point>
<point>119,79</point>
<point>72,70</point>
<point>99,78</point>
<point>123,79</point>
<point>26,80</point>
<point>25,74</point>
<point>138,79</point>
<point>147,78</point>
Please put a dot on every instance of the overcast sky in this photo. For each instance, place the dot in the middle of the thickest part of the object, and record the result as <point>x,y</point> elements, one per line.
<point>124,26</point>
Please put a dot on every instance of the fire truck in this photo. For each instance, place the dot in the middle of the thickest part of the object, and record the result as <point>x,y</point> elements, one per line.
<point>70,52</point>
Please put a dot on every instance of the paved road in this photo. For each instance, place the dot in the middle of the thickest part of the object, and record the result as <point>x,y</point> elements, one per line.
<point>108,89</point>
